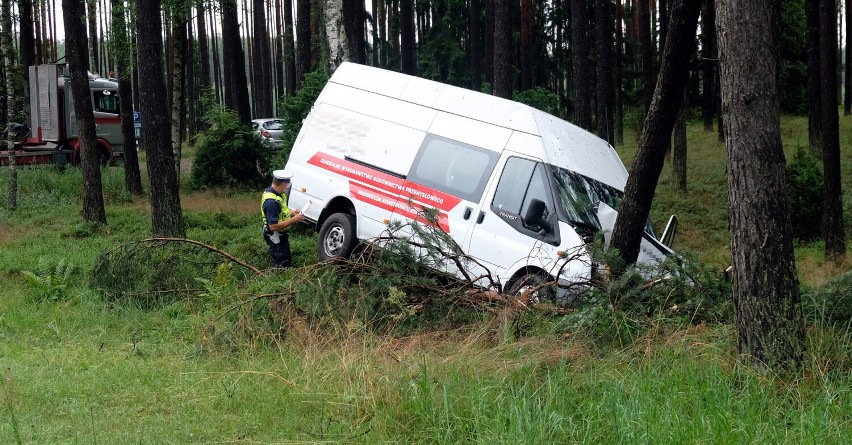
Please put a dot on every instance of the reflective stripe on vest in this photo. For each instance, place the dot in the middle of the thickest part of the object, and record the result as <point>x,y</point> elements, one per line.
<point>285,212</point>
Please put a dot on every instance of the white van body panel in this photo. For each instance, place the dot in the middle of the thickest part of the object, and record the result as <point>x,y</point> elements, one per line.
<point>392,145</point>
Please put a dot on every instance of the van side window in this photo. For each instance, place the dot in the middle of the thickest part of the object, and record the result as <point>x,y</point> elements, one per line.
<point>521,182</point>
<point>452,167</point>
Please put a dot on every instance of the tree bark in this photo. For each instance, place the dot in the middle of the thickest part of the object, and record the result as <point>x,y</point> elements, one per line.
<point>647,51</point>
<point>489,42</point>
<point>124,57</point>
<point>289,49</point>
<point>179,25</point>
<point>262,63</point>
<point>406,21</point>
<point>203,47</point>
<point>656,131</point>
<point>475,45</point>
<point>526,44</point>
<point>812,41</point>
<point>680,145</point>
<point>603,43</point>
<point>234,67</point>
<point>77,52</point>
<point>708,62</point>
<point>217,65</point>
<point>502,49</point>
<point>303,40</point>
<point>166,216</point>
<point>847,72</point>
<point>94,62</point>
<point>25,27</point>
<point>9,66</point>
<point>580,65</point>
<point>619,53</point>
<point>769,320</point>
<point>835,243</point>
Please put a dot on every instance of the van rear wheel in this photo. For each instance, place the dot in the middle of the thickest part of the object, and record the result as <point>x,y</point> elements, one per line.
<point>337,237</point>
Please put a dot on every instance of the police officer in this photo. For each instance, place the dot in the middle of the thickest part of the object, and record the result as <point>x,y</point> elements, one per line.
<point>277,217</point>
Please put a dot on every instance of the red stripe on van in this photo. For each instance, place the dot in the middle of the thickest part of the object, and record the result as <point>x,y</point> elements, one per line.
<point>394,204</point>
<point>386,182</point>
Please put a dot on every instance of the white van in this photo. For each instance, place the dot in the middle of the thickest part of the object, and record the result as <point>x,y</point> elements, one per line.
<point>519,190</point>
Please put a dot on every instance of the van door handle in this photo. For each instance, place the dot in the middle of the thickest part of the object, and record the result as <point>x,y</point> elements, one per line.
<point>467,212</point>
<point>480,218</point>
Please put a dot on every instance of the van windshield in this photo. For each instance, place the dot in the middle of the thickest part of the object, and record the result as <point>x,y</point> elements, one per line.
<point>579,195</point>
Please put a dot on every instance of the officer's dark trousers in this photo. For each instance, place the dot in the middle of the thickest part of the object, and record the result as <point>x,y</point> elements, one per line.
<point>280,251</point>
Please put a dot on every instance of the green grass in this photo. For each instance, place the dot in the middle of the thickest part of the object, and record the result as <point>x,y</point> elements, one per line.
<point>77,370</point>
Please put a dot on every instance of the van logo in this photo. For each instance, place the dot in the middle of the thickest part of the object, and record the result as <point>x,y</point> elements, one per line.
<point>508,216</point>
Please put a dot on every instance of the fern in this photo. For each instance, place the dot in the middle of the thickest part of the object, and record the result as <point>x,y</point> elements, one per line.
<point>49,281</point>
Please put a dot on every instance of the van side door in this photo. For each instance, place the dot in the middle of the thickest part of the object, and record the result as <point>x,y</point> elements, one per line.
<point>518,218</point>
<point>443,187</point>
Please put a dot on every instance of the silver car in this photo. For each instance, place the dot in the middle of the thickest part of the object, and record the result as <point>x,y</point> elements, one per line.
<point>270,130</point>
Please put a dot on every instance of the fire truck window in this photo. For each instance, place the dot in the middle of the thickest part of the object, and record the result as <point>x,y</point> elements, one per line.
<point>452,167</point>
<point>105,101</point>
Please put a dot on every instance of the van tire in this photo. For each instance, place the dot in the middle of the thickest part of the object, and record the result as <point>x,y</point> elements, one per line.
<point>533,280</point>
<point>337,237</point>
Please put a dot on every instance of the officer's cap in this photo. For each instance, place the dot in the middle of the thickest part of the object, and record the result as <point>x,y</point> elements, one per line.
<point>282,175</point>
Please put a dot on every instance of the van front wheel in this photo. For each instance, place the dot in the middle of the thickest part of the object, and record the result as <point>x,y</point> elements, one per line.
<point>337,237</point>
<point>533,282</point>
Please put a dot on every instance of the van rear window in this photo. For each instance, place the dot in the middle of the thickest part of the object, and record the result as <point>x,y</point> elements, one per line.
<point>452,167</point>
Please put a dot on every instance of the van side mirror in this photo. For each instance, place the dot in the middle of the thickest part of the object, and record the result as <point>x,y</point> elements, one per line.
<point>669,233</point>
<point>535,214</point>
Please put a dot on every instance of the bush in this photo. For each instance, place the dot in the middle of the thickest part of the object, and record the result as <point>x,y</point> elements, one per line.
<point>231,155</point>
<point>805,196</point>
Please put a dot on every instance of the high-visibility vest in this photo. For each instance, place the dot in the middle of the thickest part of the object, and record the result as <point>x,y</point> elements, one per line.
<point>282,199</point>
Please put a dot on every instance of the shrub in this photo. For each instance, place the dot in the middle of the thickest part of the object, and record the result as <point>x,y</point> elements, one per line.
<point>231,155</point>
<point>805,196</point>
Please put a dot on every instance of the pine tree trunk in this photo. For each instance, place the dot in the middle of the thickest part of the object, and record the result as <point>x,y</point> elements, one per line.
<point>166,216</point>
<point>203,48</point>
<point>680,145</point>
<point>39,34</point>
<point>303,40</point>
<point>619,54</point>
<point>603,43</point>
<point>233,63</point>
<point>77,51</point>
<point>502,49</point>
<point>93,34</point>
<point>124,57</point>
<point>847,72</point>
<point>812,42</point>
<point>489,41</point>
<point>289,49</point>
<point>580,81</point>
<point>382,42</point>
<point>189,74</point>
<point>708,64</point>
<point>648,78</point>
<point>835,245</point>
<point>769,319</point>
<point>262,64</point>
<point>656,131</point>
<point>8,64</point>
<point>475,45</point>
<point>179,46</point>
<point>526,44</point>
<point>27,45</point>
<point>218,76</point>
<point>406,20</point>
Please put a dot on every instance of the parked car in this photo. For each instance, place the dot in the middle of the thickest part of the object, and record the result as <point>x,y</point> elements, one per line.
<point>270,130</point>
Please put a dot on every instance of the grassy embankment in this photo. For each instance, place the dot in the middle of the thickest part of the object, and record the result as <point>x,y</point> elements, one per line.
<point>77,370</point>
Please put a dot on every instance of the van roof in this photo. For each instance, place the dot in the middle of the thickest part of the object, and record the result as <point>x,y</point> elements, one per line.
<point>564,143</point>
